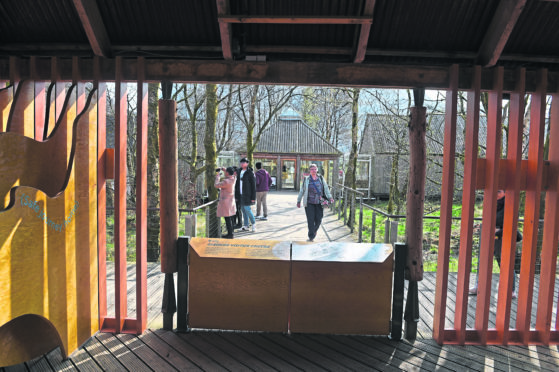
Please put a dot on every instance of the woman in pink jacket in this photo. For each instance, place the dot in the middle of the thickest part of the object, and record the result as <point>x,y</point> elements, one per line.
<point>226,205</point>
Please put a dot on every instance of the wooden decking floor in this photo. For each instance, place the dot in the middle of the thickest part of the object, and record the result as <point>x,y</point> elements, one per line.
<point>210,350</point>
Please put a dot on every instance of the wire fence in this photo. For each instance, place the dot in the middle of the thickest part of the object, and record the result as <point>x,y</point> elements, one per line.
<point>204,226</point>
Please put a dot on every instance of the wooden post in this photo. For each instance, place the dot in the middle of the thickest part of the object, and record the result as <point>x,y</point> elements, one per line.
<point>190,225</point>
<point>121,112</point>
<point>487,244</point>
<point>532,210</point>
<point>416,193</point>
<point>360,239</point>
<point>447,191</point>
<point>400,251</point>
<point>141,197</point>
<point>387,231</point>
<point>393,232</point>
<point>182,283</point>
<point>168,188</point>
<point>374,227</point>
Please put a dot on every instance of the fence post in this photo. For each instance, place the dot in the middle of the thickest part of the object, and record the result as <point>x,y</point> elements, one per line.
<point>207,222</point>
<point>182,284</point>
<point>340,201</point>
<point>360,239</point>
<point>190,225</point>
<point>394,232</point>
<point>400,253</point>
<point>352,213</point>
<point>345,206</point>
<point>387,231</point>
<point>374,227</point>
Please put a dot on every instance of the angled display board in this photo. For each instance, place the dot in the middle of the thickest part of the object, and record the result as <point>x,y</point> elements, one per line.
<point>343,288</point>
<point>239,284</point>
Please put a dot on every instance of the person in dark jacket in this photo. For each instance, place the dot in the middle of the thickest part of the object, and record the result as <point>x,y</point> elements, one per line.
<point>263,183</point>
<point>245,191</point>
<point>238,217</point>
<point>499,218</point>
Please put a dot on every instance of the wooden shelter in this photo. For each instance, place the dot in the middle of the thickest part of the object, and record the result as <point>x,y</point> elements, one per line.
<point>287,149</point>
<point>500,46</point>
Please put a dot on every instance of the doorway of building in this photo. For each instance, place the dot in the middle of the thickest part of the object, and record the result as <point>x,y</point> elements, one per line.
<point>288,174</point>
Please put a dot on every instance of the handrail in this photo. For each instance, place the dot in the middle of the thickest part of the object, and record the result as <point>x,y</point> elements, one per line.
<point>188,210</point>
<point>353,190</point>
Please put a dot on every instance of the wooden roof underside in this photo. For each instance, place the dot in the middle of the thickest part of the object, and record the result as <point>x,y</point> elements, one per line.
<point>388,43</point>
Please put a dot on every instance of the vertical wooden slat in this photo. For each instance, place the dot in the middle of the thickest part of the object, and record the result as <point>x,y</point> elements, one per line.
<point>532,207</point>
<point>141,198</point>
<point>512,201</point>
<point>59,94</point>
<point>21,119</point>
<point>40,99</point>
<point>446,205</point>
<point>550,231</point>
<point>487,244</point>
<point>121,105</point>
<point>468,203</point>
<point>101,190</point>
<point>6,97</point>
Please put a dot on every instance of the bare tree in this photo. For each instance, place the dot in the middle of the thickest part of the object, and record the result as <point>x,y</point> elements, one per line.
<point>258,106</point>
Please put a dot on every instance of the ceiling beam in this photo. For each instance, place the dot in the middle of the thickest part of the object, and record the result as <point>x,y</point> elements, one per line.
<point>225,29</point>
<point>322,20</point>
<point>94,28</point>
<point>499,31</point>
<point>296,49</point>
<point>363,40</point>
<point>281,73</point>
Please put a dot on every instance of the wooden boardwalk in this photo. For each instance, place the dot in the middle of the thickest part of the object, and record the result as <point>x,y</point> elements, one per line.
<point>211,350</point>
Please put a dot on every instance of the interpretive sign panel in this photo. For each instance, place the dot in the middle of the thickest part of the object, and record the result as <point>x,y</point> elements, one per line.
<point>239,284</point>
<point>342,288</point>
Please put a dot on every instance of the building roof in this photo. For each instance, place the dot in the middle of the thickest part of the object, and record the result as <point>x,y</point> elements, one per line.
<point>397,32</point>
<point>293,136</point>
<point>384,134</point>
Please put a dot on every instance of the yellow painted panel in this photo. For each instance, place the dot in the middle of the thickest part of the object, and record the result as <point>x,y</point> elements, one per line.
<point>48,255</point>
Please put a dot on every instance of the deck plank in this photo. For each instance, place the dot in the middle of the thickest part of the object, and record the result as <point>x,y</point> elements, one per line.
<point>199,358</point>
<point>218,355</point>
<point>350,357</point>
<point>144,353</point>
<point>316,356</point>
<point>122,353</point>
<point>170,353</point>
<point>267,356</point>
<point>102,356</point>
<point>232,349</point>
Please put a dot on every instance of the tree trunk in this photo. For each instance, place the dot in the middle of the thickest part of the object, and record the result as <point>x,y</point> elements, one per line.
<point>416,193</point>
<point>251,125</point>
<point>352,166</point>
<point>211,156</point>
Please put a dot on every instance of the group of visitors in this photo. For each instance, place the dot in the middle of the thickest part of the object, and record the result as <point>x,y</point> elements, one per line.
<point>241,188</point>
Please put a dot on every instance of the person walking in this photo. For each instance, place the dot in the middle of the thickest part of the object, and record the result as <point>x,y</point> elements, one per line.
<point>499,218</point>
<point>245,191</point>
<point>238,217</point>
<point>226,204</point>
<point>314,190</point>
<point>263,183</point>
